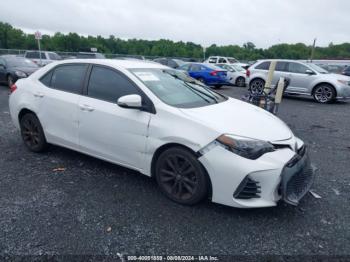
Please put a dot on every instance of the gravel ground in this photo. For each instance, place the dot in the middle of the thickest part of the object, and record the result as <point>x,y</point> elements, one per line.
<point>93,207</point>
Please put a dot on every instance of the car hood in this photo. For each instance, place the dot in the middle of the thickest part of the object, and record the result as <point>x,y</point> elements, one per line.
<point>240,118</point>
<point>336,77</point>
<point>27,70</point>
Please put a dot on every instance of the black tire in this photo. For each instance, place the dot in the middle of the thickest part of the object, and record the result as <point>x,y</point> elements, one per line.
<point>32,133</point>
<point>201,80</point>
<point>217,86</point>
<point>257,86</point>
<point>240,81</point>
<point>324,93</point>
<point>181,177</point>
<point>10,81</point>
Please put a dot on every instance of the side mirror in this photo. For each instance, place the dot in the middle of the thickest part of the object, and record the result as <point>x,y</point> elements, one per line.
<point>130,101</point>
<point>2,66</point>
<point>309,72</point>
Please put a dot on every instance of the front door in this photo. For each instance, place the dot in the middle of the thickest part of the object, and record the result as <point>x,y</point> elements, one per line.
<point>106,130</point>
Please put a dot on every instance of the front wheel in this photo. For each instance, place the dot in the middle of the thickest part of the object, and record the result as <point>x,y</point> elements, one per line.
<point>10,81</point>
<point>324,93</point>
<point>32,133</point>
<point>240,81</point>
<point>181,177</point>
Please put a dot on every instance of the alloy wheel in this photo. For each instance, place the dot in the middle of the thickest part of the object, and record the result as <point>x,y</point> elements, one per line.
<point>240,82</point>
<point>324,94</point>
<point>178,177</point>
<point>30,133</point>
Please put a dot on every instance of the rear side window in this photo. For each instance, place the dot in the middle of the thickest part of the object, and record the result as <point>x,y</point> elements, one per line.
<point>263,66</point>
<point>222,60</point>
<point>35,55</point>
<point>69,78</point>
<point>46,79</point>
<point>106,84</point>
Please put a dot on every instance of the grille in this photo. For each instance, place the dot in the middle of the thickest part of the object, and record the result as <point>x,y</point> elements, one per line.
<point>247,189</point>
<point>299,184</point>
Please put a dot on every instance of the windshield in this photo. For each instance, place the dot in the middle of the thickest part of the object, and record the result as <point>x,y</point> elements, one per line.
<point>317,68</point>
<point>177,89</point>
<point>20,62</point>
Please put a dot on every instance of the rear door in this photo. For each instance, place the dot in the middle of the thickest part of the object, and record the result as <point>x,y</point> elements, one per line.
<point>58,98</point>
<point>106,130</point>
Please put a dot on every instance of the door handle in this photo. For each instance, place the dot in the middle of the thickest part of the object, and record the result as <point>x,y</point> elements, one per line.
<point>86,108</point>
<point>38,94</point>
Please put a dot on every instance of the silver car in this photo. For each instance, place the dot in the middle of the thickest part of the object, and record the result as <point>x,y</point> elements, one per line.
<point>305,79</point>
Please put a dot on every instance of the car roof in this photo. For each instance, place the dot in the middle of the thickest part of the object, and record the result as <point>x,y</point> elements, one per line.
<point>127,64</point>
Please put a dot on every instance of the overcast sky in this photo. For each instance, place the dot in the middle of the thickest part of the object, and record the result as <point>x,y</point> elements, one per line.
<point>223,22</point>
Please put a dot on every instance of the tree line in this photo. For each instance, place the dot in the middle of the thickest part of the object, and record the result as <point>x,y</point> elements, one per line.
<point>14,38</point>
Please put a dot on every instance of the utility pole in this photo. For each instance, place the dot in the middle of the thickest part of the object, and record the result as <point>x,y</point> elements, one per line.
<point>204,50</point>
<point>313,50</point>
<point>38,37</point>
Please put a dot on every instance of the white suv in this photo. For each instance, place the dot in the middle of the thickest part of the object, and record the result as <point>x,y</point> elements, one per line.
<point>305,79</point>
<point>224,60</point>
<point>42,58</point>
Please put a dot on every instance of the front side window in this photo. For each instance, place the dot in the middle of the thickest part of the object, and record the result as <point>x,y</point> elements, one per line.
<point>222,61</point>
<point>282,66</point>
<point>69,78</point>
<point>196,68</point>
<point>108,85</point>
<point>176,88</point>
<point>297,68</point>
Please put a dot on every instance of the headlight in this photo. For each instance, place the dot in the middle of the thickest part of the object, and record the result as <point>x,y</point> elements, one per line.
<point>245,147</point>
<point>344,82</point>
<point>20,74</point>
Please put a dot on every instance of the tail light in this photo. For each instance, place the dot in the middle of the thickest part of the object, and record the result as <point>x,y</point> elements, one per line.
<point>13,88</point>
<point>214,73</point>
<point>247,73</point>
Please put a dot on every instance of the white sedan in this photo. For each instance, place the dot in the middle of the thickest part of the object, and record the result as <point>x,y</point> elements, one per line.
<point>236,74</point>
<point>195,142</point>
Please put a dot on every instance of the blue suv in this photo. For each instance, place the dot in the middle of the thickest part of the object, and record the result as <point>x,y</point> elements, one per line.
<point>207,74</point>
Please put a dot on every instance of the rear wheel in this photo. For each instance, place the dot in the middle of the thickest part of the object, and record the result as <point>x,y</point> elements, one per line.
<point>10,81</point>
<point>32,133</point>
<point>324,93</point>
<point>240,81</point>
<point>257,86</point>
<point>181,177</point>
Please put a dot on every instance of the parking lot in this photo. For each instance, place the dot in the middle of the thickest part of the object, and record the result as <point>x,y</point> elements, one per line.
<point>63,202</point>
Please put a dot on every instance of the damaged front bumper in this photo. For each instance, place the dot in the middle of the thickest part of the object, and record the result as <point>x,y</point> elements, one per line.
<point>282,175</point>
<point>297,177</point>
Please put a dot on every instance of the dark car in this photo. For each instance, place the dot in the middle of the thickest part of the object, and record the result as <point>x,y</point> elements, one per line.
<point>346,71</point>
<point>206,73</point>
<point>13,68</point>
<point>173,63</point>
<point>87,55</point>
